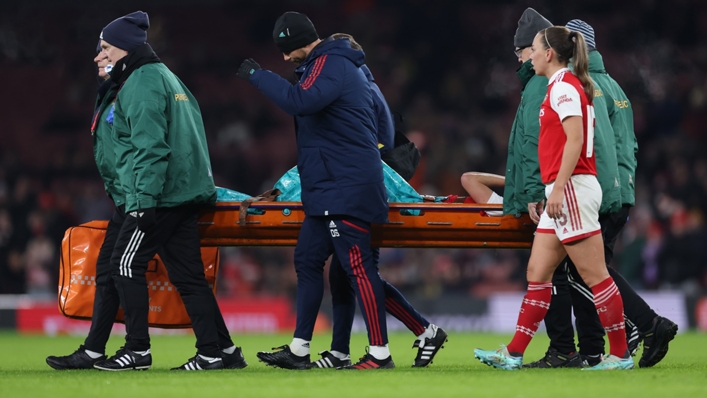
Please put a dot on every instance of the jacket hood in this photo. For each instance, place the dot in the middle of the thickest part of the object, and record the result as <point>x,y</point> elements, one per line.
<point>368,73</point>
<point>596,62</point>
<point>337,47</point>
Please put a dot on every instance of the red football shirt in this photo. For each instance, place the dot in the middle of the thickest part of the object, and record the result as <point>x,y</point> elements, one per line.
<point>565,97</point>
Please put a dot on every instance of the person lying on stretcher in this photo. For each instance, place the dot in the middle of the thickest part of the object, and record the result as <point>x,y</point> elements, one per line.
<point>477,185</point>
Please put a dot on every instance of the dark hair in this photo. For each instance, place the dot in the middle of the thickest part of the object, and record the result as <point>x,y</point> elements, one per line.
<point>570,45</point>
<point>354,44</point>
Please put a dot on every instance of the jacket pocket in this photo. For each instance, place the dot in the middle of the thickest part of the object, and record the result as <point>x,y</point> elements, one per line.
<point>314,172</point>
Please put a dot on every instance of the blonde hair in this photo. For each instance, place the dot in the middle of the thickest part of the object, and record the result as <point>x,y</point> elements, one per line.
<point>354,44</point>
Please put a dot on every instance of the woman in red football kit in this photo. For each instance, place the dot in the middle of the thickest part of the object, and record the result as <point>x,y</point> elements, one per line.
<point>569,224</point>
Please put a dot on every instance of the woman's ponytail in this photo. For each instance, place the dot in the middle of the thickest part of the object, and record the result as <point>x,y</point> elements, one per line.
<point>580,59</point>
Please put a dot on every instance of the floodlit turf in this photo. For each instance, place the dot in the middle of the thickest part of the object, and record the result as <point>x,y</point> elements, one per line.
<point>23,373</point>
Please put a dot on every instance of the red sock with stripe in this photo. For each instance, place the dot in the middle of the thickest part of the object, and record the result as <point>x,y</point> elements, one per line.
<point>610,308</point>
<point>535,305</point>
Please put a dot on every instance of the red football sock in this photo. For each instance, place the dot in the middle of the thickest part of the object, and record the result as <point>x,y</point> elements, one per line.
<point>610,307</point>
<point>535,305</point>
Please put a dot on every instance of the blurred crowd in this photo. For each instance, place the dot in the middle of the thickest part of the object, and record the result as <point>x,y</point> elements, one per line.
<point>449,70</point>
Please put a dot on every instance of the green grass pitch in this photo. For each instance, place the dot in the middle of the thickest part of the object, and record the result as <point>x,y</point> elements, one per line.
<point>455,372</point>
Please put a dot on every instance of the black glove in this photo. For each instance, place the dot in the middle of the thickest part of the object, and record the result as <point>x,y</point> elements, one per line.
<point>247,68</point>
<point>146,219</point>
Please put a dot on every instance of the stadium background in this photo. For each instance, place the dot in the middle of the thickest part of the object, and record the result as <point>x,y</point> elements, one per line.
<point>446,66</point>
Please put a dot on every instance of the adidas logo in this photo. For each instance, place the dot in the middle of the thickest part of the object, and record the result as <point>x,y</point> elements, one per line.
<point>332,225</point>
<point>564,231</point>
<point>305,345</point>
<point>282,34</point>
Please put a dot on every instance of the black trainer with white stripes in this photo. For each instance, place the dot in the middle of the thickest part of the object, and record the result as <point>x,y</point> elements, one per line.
<point>126,359</point>
<point>427,348</point>
<point>328,360</point>
<point>198,362</point>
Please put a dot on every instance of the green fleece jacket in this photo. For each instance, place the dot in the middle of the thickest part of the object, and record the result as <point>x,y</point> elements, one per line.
<point>523,183</point>
<point>160,146</point>
<point>103,150</point>
<point>621,117</point>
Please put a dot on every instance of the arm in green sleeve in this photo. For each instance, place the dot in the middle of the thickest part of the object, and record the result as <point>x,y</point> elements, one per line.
<point>533,187</point>
<point>150,151</point>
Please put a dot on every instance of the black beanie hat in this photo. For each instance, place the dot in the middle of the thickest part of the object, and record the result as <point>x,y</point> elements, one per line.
<point>529,24</point>
<point>292,31</point>
<point>127,32</point>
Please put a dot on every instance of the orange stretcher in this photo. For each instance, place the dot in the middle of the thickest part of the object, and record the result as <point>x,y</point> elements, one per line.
<point>444,225</point>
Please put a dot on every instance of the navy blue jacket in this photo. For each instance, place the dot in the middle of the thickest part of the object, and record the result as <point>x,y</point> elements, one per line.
<point>384,120</point>
<point>337,153</point>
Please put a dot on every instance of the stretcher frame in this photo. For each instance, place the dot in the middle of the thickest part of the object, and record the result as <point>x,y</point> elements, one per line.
<point>441,225</point>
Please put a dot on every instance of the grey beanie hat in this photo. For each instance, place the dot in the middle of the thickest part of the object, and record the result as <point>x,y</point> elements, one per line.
<point>585,29</point>
<point>529,24</point>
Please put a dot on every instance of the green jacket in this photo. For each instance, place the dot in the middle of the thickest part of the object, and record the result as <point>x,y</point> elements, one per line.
<point>160,144</point>
<point>621,116</point>
<point>103,150</point>
<point>605,147</point>
<point>523,184</point>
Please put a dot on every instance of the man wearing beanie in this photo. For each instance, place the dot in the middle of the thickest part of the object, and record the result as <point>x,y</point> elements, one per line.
<point>614,126</point>
<point>342,179</point>
<point>163,174</point>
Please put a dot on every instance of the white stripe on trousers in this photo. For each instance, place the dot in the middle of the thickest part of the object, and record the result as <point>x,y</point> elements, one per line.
<point>127,258</point>
<point>130,261</point>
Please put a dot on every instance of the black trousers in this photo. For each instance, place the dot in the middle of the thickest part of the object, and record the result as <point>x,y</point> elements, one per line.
<point>570,291</point>
<point>176,237</point>
<point>106,300</point>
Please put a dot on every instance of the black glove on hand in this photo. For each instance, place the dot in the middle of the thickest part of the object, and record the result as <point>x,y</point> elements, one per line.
<point>146,219</point>
<point>247,68</point>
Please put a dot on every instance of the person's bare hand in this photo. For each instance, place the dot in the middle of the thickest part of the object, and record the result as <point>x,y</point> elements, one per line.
<point>534,212</point>
<point>554,203</point>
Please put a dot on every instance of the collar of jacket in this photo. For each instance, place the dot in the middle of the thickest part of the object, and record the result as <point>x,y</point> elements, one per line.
<point>596,62</point>
<point>525,73</point>
<point>128,64</point>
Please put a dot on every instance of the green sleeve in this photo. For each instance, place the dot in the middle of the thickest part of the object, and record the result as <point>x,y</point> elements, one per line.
<point>533,187</point>
<point>150,152</point>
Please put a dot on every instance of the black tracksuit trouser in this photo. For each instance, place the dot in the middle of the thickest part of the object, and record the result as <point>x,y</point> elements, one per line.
<point>175,237</point>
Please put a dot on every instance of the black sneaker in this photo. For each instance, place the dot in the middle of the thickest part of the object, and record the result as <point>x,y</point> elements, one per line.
<point>655,342</point>
<point>633,338</point>
<point>284,358</point>
<point>126,359</point>
<point>368,362</point>
<point>78,360</point>
<point>199,363</point>
<point>234,360</point>
<point>555,359</point>
<point>427,349</point>
<point>329,361</point>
